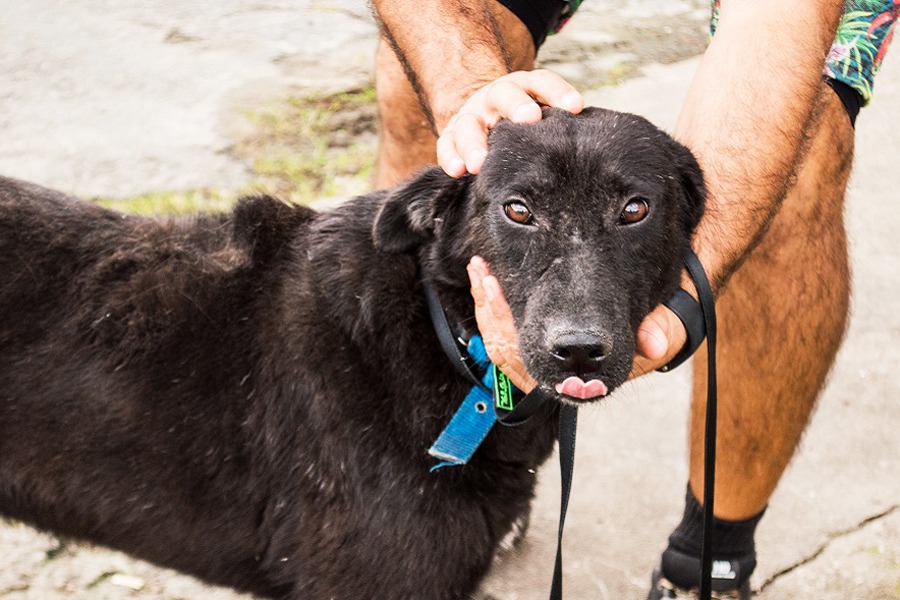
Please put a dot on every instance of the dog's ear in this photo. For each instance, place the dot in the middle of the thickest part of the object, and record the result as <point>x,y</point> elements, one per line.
<point>407,215</point>
<point>692,185</point>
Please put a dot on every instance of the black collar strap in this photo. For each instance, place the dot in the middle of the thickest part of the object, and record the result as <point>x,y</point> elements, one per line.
<point>532,409</point>
<point>529,409</point>
<point>449,342</point>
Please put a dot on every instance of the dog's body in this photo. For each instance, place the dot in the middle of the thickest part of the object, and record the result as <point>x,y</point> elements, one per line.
<point>249,397</point>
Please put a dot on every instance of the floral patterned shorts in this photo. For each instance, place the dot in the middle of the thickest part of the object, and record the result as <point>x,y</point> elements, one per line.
<point>863,36</point>
<point>862,39</point>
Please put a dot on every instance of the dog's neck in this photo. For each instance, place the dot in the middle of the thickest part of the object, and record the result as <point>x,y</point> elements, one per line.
<point>362,281</point>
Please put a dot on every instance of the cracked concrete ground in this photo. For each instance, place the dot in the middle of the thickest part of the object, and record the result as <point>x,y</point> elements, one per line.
<point>121,98</point>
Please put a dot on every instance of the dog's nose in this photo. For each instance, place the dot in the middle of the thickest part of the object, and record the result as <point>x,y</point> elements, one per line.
<point>581,352</point>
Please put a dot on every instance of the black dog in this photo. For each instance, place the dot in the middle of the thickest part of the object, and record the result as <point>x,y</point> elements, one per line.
<point>249,397</point>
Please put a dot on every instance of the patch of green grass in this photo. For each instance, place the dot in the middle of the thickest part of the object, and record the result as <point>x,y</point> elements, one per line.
<point>309,147</point>
<point>173,203</point>
<point>619,72</point>
<point>299,149</point>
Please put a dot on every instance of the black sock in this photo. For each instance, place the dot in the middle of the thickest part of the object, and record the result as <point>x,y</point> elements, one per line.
<point>732,542</point>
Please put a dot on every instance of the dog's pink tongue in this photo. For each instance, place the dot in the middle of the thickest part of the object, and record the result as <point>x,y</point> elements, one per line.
<point>575,387</point>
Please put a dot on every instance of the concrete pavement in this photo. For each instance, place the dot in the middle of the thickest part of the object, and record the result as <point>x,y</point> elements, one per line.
<point>119,98</point>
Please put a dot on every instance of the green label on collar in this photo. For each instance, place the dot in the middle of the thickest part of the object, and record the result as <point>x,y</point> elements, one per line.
<point>503,390</point>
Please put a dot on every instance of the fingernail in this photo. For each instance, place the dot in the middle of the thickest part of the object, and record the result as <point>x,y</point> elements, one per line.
<point>526,113</point>
<point>455,167</point>
<point>488,284</point>
<point>572,102</point>
<point>475,159</point>
<point>652,341</point>
<point>474,274</point>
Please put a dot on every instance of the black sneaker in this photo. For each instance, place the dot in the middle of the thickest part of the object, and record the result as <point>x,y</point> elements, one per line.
<point>730,578</point>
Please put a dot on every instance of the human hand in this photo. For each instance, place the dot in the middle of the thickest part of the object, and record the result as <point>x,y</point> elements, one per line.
<point>659,337</point>
<point>517,96</point>
<point>496,325</point>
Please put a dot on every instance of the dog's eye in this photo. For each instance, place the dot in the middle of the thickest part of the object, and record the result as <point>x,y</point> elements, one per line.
<point>517,212</point>
<point>636,210</point>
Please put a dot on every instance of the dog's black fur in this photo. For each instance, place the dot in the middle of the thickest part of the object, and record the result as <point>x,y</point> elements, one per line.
<point>249,397</point>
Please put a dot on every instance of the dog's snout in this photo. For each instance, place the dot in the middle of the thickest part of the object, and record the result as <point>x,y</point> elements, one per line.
<point>581,352</point>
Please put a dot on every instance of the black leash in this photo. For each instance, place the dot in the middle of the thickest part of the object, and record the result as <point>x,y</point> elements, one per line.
<point>708,308</point>
<point>699,319</point>
<point>568,422</point>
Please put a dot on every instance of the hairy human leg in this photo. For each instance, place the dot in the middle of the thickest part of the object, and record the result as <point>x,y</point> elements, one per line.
<point>407,139</point>
<point>781,320</point>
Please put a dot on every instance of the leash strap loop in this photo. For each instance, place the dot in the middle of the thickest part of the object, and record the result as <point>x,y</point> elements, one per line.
<point>690,313</point>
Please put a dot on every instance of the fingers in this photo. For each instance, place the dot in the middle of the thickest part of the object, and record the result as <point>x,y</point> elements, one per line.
<point>462,147</point>
<point>496,324</point>
<point>659,338</point>
<point>518,96</point>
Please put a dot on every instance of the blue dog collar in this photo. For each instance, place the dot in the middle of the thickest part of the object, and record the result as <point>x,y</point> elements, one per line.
<point>474,418</point>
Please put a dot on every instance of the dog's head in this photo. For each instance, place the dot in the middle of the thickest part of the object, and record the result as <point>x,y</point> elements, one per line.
<point>583,218</point>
